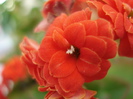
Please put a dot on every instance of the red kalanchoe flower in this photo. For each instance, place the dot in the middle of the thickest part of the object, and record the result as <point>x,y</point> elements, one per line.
<point>76,50</point>
<point>14,70</point>
<point>120,14</point>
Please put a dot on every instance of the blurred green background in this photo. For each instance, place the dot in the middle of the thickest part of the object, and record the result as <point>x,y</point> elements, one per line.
<point>18,18</point>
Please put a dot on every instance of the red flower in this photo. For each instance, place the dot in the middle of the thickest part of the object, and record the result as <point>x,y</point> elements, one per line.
<point>14,70</point>
<point>120,14</point>
<point>76,50</point>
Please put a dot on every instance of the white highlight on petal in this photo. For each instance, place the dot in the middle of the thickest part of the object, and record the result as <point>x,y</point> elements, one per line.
<point>71,50</point>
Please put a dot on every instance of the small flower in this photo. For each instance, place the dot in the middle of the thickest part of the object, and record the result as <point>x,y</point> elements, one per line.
<point>76,50</point>
<point>120,14</point>
<point>14,70</point>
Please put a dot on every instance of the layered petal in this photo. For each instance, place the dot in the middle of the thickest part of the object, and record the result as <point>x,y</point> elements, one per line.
<point>90,27</point>
<point>60,40</point>
<point>72,82</point>
<point>111,48</point>
<point>89,56</point>
<point>104,28</point>
<point>47,48</point>
<point>77,17</point>
<point>75,34</point>
<point>93,42</point>
<point>87,69</point>
<point>62,64</point>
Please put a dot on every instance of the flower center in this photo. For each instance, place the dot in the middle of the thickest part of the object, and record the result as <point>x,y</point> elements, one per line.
<point>73,51</point>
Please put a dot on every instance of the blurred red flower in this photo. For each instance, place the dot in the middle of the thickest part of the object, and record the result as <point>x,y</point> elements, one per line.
<point>53,8</point>
<point>120,14</point>
<point>14,70</point>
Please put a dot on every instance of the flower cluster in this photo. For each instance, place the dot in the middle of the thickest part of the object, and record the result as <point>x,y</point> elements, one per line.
<point>78,44</point>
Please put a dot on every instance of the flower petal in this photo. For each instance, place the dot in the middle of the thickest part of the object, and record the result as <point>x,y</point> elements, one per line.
<point>90,27</point>
<point>47,48</point>
<point>104,28</point>
<point>49,79</point>
<point>52,28</point>
<point>125,48</point>
<point>119,25</point>
<point>86,68</point>
<point>111,48</point>
<point>75,34</point>
<point>72,82</point>
<point>112,13</point>
<point>58,22</point>
<point>60,40</point>
<point>77,17</point>
<point>96,44</point>
<point>105,65</point>
<point>62,64</point>
<point>89,56</point>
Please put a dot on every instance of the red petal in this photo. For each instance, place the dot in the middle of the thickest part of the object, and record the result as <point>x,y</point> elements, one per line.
<point>96,44</point>
<point>125,48</point>
<point>104,28</point>
<point>86,68</point>
<point>75,34</point>
<point>47,48</point>
<point>52,28</point>
<point>61,64</point>
<point>77,17</point>
<point>90,27</point>
<point>80,94</point>
<point>60,40</point>
<point>89,56</point>
<point>116,4</point>
<point>111,48</point>
<point>112,13</point>
<point>72,82</point>
<point>105,65</point>
<point>90,94</point>
<point>130,38</point>
<point>58,22</point>
<point>36,59</point>
<point>49,79</point>
<point>98,6</point>
<point>28,44</point>
<point>64,93</point>
<point>38,76</point>
<point>29,65</point>
<point>119,25</point>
